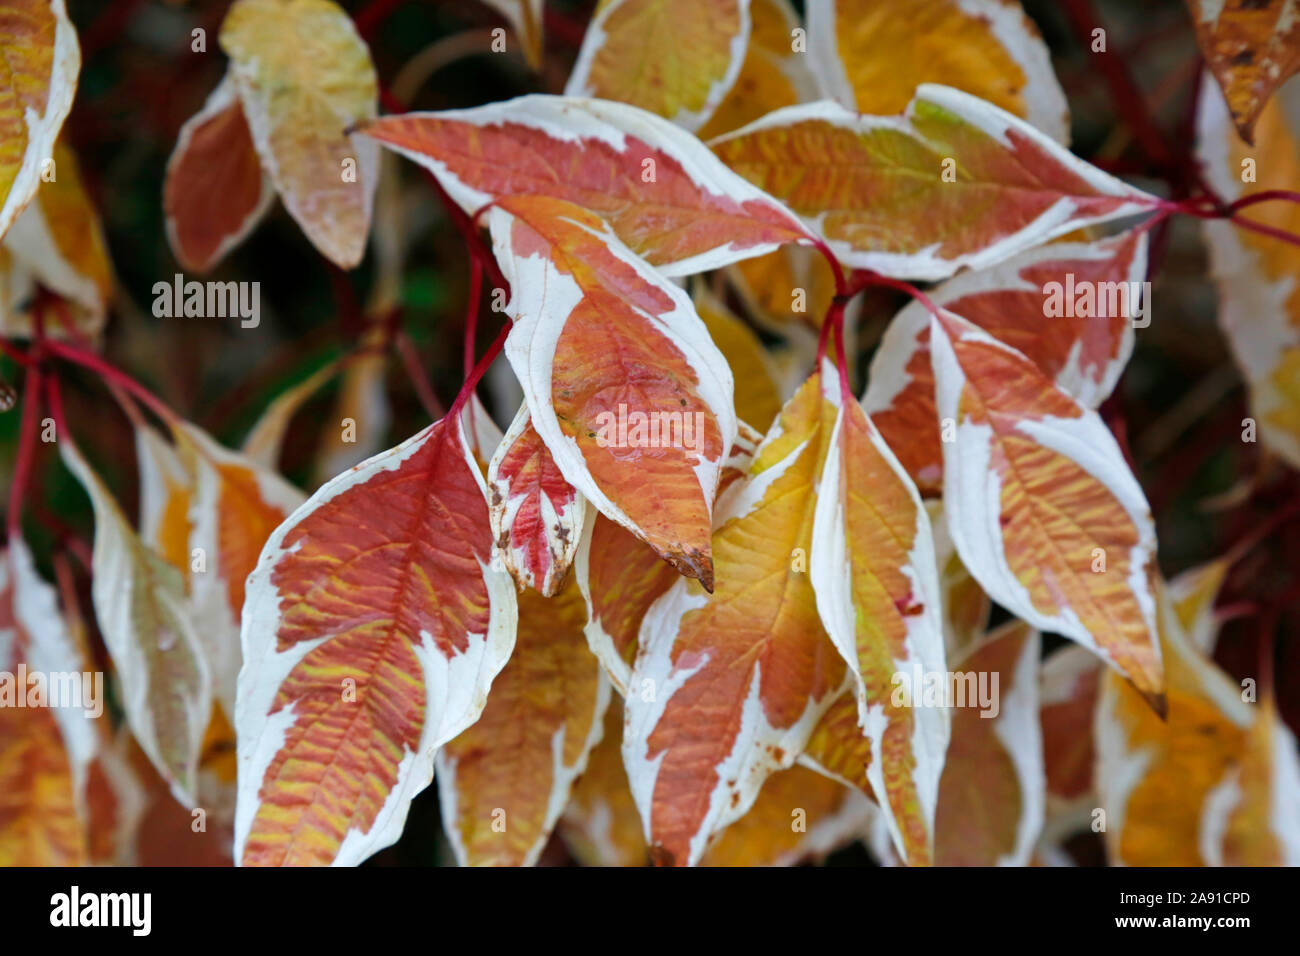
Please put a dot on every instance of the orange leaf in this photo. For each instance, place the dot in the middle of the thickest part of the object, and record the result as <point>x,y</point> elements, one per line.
<point>955,182</point>
<point>505,780</point>
<point>675,58</point>
<point>1259,302</point>
<point>737,680</point>
<point>992,791</point>
<point>872,54</point>
<point>873,570</point>
<point>304,76</point>
<point>215,192</point>
<point>1041,504</point>
<point>373,627</point>
<point>1068,307</point>
<point>1252,47</point>
<point>537,516</point>
<point>659,188</point>
<point>622,381</point>
<point>38,45</point>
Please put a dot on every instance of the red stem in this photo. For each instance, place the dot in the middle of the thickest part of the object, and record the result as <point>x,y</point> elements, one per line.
<point>479,370</point>
<point>26,447</point>
<point>111,374</point>
<point>471,312</point>
<point>415,372</point>
<point>1125,93</point>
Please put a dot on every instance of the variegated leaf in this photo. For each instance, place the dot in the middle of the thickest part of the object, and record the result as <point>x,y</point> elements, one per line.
<point>372,628</point>
<point>991,797</point>
<point>798,816</point>
<point>955,182</point>
<point>1041,504</point>
<point>736,680</point>
<point>146,624</point>
<point>42,58</point>
<point>622,381</point>
<point>215,192</point>
<point>621,576</point>
<point>1155,776</point>
<point>504,781</point>
<point>235,505</point>
<point>537,516</point>
<point>601,826</point>
<point>1252,47</point>
<point>304,76</point>
<point>871,55</point>
<point>674,58</point>
<point>774,73</point>
<point>660,189</point>
<point>1259,302</point>
<point>46,742</point>
<point>873,570</point>
<point>1252,818</point>
<point>1068,307</point>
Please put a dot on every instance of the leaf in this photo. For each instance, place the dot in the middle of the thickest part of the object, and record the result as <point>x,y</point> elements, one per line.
<point>798,815</point>
<point>873,571</point>
<point>42,59</point>
<point>873,186</point>
<point>965,606</point>
<point>59,241</point>
<point>1192,595</point>
<point>265,439</point>
<point>363,413</point>
<point>871,55</point>
<point>839,749</point>
<point>1259,304</point>
<point>992,791</point>
<point>215,192</point>
<point>1253,817</point>
<point>304,76</point>
<point>1041,504</point>
<point>660,189</point>
<point>601,826</point>
<point>505,780</point>
<point>44,749</point>
<point>1252,47</point>
<point>1048,303</point>
<point>537,516</point>
<point>792,285</point>
<point>675,58</point>
<point>737,680</point>
<point>140,604</point>
<point>166,493</point>
<point>622,381</point>
<point>1154,777</point>
<point>115,805</point>
<point>525,19</point>
<point>373,626</point>
<point>758,396</point>
<point>772,75</point>
<point>1070,680</point>
<point>235,506</point>
<point>621,576</point>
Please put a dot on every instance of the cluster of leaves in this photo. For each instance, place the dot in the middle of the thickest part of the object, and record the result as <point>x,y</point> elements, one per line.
<point>668,612</point>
